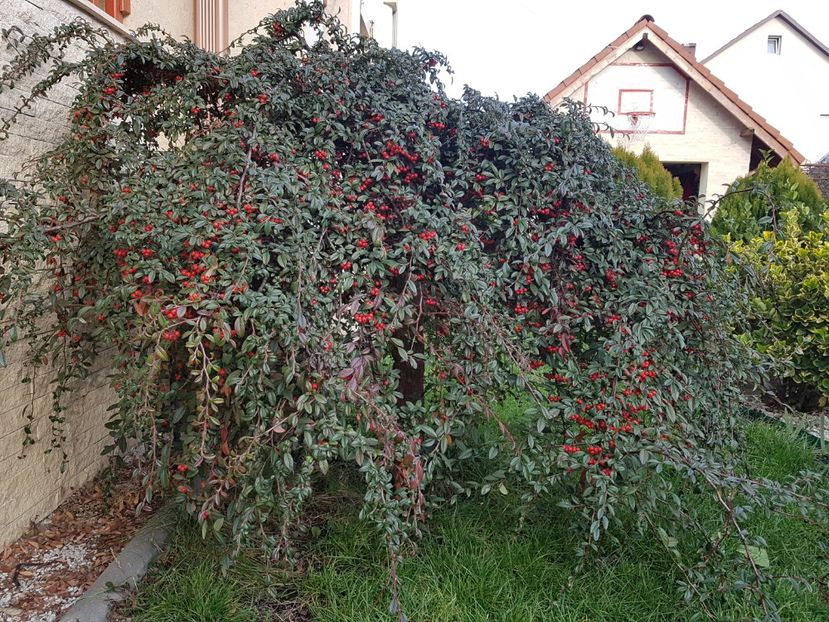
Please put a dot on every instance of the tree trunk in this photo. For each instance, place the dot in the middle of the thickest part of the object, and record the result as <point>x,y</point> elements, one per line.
<point>411,383</point>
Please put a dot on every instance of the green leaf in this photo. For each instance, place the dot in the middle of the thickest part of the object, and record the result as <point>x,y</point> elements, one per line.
<point>759,555</point>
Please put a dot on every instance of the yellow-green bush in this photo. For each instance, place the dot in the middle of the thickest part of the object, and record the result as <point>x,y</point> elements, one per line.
<point>651,171</point>
<point>792,305</point>
<point>775,220</point>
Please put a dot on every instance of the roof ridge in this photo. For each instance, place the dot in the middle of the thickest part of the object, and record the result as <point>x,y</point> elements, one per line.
<point>627,34</point>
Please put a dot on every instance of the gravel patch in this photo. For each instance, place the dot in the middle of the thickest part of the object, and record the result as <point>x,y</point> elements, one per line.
<point>51,566</point>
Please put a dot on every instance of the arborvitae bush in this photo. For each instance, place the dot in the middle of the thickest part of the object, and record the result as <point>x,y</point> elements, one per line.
<point>650,170</point>
<point>307,253</point>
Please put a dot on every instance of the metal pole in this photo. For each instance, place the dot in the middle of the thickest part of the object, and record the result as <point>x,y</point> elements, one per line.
<point>392,4</point>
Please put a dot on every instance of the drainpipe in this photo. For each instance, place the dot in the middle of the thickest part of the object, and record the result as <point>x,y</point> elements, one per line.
<point>392,4</point>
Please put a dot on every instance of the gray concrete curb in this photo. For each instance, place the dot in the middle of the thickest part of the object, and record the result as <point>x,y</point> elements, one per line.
<point>124,572</point>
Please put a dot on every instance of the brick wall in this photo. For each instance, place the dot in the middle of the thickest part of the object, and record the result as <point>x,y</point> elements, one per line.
<point>32,484</point>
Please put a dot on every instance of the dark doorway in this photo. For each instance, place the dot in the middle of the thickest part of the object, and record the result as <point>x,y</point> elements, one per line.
<point>760,151</point>
<point>689,175</point>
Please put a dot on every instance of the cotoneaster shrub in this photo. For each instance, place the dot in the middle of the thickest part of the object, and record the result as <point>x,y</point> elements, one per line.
<point>307,253</point>
<point>650,170</point>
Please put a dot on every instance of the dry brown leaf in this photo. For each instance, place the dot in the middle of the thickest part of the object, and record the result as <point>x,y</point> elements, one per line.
<point>102,519</point>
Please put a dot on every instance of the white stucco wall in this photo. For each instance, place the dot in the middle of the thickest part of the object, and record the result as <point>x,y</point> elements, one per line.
<point>32,486</point>
<point>378,19</point>
<point>176,17</point>
<point>242,15</point>
<point>245,14</point>
<point>348,11</point>
<point>711,136</point>
<point>791,90</point>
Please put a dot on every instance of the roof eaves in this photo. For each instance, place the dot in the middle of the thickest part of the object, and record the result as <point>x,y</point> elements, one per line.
<point>596,59</point>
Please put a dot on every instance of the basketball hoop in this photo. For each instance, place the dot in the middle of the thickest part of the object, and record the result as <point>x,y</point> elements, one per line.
<point>639,123</point>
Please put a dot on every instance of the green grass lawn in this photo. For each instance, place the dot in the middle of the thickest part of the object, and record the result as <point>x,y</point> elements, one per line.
<point>472,565</point>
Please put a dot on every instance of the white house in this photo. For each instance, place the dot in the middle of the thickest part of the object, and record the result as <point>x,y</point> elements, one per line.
<point>659,94</point>
<point>783,70</point>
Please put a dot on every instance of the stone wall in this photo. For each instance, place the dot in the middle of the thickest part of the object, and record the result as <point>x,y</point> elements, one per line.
<point>820,173</point>
<point>32,484</point>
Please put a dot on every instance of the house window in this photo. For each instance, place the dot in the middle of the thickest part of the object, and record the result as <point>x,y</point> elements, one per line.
<point>114,8</point>
<point>774,44</point>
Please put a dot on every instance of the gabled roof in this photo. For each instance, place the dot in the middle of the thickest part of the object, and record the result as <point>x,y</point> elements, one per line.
<point>786,18</point>
<point>691,67</point>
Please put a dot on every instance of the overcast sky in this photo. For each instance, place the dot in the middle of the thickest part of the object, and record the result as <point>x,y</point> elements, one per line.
<point>511,47</point>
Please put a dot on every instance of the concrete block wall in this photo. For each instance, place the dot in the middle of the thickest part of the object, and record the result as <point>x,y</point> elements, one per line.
<point>32,483</point>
